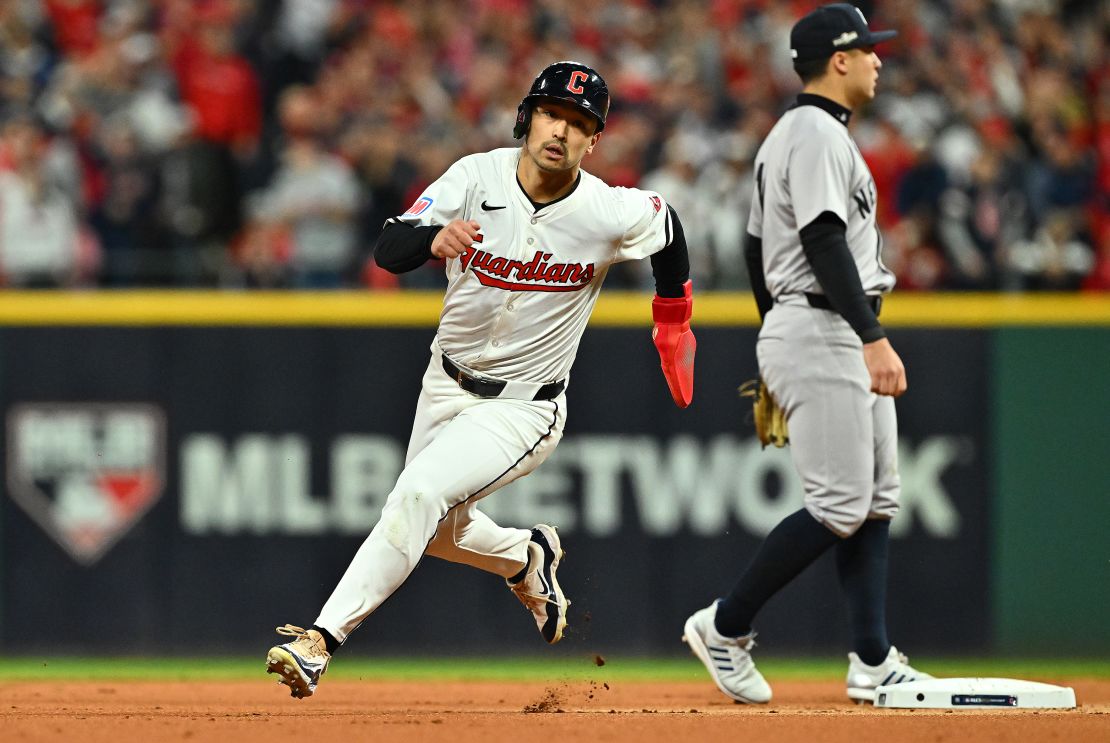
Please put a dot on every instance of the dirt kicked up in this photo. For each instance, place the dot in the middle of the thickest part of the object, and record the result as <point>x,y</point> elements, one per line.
<point>483,712</point>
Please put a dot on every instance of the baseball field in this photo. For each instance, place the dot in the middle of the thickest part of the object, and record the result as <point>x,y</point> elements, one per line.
<point>460,700</point>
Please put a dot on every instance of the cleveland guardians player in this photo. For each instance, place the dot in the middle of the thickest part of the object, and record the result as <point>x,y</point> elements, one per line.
<point>527,237</point>
<point>813,251</point>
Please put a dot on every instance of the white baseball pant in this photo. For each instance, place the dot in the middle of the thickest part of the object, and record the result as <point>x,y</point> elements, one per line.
<point>462,448</point>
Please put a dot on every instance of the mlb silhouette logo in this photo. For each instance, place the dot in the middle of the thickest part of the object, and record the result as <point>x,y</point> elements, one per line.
<point>86,472</point>
<point>419,207</point>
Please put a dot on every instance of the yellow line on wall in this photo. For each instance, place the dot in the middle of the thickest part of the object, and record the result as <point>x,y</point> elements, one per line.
<point>421,309</point>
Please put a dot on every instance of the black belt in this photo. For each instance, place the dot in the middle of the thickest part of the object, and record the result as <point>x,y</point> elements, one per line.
<point>493,388</point>
<point>821,302</point>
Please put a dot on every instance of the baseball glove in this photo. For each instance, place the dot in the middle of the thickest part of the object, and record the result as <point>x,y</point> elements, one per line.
<point>769,419</point>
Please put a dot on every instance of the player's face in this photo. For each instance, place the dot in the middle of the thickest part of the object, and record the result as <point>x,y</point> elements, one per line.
<point>559,136</point>
<point>863,74</point>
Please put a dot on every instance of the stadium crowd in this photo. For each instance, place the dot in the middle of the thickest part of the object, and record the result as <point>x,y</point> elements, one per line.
<point>262,143</point>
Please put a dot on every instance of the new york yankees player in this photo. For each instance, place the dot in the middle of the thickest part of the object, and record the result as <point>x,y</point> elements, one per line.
<point>527,236</point>
<point>813,252</point>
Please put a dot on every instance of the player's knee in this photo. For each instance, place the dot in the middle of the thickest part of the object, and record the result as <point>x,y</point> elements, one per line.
<point>414,493</point>
<point>842,510</point>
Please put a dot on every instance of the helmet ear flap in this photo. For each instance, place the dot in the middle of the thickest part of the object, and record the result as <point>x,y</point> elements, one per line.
<point>523,119</point>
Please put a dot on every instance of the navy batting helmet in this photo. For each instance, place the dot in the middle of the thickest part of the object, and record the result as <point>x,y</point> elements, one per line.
<point>572,82</point>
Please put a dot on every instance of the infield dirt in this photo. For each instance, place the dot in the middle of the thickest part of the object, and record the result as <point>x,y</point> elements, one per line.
<point>484,712</point>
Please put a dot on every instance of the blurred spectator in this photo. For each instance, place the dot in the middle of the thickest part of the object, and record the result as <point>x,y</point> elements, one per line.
<point>25,59</point>
<point>202,176</point>
<point>1054,260</point>
<point>726,186</point>
<point>889,157</point>
<point>910,254</point>
<point>384,171</point>
<point>920,189</point>
<point>201,203</point>
<point>126,219</point>
<point>42,242</point>
<point>75,25</point>
<point>312,202</point>
<point>978,220</point>
<point>684,156</point>
<point>300,36</point>
<point>216,81</point>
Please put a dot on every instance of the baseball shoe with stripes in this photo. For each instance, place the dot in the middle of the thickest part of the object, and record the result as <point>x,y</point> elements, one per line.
<point>539,589</point>
<point>299,663</point>
<point>728,659</point>
<point>864,679</point>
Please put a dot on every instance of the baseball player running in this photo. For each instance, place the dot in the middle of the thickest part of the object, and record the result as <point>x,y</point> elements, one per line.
<point>813,251</point>
<point>527,236</point>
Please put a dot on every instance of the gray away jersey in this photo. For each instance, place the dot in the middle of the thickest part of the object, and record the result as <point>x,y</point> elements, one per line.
<point>808,165</point>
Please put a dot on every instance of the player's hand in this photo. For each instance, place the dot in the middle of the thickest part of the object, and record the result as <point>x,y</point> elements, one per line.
<point>888,375</point>
<point>455,238</point>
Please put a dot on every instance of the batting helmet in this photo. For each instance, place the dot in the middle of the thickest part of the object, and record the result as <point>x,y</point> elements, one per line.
<point>573,82</point>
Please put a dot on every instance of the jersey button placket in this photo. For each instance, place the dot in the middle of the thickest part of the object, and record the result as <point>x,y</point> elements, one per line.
<point>496,337</point>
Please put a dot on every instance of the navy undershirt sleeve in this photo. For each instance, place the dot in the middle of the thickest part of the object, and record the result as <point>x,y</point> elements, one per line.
<point>825,245</point>
<point>402,247</point>
<point>753,256</point>
<point>671,265</point>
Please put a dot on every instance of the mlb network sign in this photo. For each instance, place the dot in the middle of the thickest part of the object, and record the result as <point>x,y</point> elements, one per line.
<point>86,473</point>
<point>260,484</point>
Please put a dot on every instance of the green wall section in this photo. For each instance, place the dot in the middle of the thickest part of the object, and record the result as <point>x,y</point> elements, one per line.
<point>1052,506</point>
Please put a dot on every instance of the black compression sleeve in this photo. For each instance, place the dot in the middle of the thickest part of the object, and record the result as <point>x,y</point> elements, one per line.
<point>753,256</point>
<point>826,248</point>
<point>402,247</point>
<point>671,265</point>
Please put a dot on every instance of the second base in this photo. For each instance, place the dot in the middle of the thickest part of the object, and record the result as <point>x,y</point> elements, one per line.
<point>975,693</point>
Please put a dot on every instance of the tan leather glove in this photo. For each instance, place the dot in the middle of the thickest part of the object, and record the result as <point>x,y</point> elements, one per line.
<point>769,418</point>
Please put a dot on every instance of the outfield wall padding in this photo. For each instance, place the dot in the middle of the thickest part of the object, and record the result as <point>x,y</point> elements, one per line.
<point>273,448</point>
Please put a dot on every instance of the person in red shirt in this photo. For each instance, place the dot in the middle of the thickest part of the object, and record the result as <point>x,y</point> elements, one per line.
<point>75,25</point>
<point>218,83</point>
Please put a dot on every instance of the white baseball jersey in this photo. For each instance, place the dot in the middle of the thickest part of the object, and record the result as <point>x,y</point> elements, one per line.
<point>518,301</point>
<point>808,165</point>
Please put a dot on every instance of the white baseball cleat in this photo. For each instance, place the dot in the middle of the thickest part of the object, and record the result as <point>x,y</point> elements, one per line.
<point>728,659</point>
<point>300,663</point>
<point>539,589</point>
<point>864,679</point>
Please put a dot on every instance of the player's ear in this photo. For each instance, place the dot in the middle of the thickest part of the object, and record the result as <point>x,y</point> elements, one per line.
<point>593,142</point>
<point>839,62</point>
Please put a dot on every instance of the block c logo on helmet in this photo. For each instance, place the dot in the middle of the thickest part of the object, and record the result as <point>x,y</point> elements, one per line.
<point>574,85</point>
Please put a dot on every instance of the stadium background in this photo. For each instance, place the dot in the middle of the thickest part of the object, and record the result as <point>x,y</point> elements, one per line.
<point>219,146</point>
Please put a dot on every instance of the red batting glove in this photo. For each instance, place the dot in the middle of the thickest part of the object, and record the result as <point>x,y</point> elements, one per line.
<point>676,343</point>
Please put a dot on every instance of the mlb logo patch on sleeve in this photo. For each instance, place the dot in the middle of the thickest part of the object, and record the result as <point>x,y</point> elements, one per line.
<point>419,206</point>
